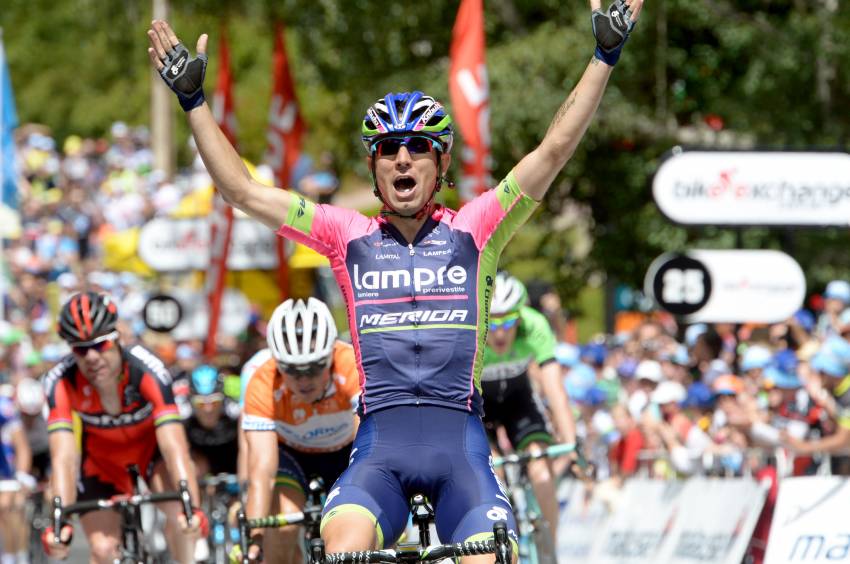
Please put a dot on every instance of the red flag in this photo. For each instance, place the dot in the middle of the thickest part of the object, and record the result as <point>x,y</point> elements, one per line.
<point>221,217</point>
<point>286,130</point>
<point>470,95</point>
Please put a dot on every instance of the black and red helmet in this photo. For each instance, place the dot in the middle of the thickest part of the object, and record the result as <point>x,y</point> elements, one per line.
<point>87,316</point>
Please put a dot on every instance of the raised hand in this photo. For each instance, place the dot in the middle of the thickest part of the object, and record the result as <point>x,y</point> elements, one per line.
<point>183,74</point>
<point>611,28</point>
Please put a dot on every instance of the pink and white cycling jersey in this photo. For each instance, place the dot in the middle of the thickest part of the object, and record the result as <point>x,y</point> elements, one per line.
<point>418,311</point>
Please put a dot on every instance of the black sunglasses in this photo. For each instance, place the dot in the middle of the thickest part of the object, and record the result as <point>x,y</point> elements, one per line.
<point>416,145</point>
<point>99,347</point>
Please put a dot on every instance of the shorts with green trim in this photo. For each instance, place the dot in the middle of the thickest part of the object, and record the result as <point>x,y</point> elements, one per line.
<point>513,404</point>
<point>295,468</point>
<point>439,452</point>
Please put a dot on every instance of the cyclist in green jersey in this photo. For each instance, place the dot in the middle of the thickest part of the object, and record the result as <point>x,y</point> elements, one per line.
<point>519,360</point>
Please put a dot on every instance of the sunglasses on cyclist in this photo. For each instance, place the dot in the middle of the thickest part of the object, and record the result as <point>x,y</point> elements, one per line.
<point>507,323</point>
<point>99,345</point>
<point>311,370</point>
<point>416,145</point>
<point>208,399</point>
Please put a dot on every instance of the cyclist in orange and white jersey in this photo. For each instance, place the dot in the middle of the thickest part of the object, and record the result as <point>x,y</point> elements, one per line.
<point>299,417</point>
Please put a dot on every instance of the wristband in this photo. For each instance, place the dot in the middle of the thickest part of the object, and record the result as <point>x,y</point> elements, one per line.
<point>203,522</point>
<point>26,480</point>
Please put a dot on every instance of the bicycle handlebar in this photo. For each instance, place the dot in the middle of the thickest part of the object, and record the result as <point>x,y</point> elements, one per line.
<point>61,513</point>
<point>525,457</point>
<point>500,546</point>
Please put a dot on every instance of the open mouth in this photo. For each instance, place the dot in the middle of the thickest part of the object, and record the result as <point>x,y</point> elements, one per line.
<point>404,184</point>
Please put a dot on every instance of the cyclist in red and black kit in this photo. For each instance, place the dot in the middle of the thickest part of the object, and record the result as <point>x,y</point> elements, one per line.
<point>123,397</point>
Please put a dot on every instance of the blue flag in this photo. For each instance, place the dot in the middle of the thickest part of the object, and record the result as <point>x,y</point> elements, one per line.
<point>8,123</point>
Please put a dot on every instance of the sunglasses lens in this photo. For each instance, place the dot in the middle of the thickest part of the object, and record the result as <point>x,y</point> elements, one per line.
<point>419,145</point>
<point>505,324</point>
<point>100,347</point>
<point>389,147</point>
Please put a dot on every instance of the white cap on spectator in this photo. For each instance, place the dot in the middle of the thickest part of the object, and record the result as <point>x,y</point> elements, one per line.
<point>669,392</point>
<point>649,370</point>
<point>756,356</point>
<point>67,280</point>
<point>838,290</point>
<point>693,333</point>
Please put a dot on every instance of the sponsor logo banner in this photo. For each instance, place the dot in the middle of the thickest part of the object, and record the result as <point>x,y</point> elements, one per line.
<point>754,188</point>
<point>169,245</point>
<point>809,522</point>
<point>698,520</point>
<point>732,286</point>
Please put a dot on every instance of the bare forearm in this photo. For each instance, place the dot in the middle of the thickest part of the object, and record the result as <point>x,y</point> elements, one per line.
<point>23,453</point>
<point>559,405</point>
<point>537,170</point>
<point>837,442</point>
<point>174,447</point>
<point>63,461</point>
<point>223,163</point>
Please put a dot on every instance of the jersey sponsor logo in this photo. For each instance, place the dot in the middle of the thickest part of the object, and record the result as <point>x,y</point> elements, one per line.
<point>437,253</point>
<point>333,494</point>
<point>109,421</point>
<point>385,256</point>
<point>418,316</point>
<point>505,370</point>
<point>56,373</point>
<point>153,363</point>
<point>420,278</point>
<point>435,242</point>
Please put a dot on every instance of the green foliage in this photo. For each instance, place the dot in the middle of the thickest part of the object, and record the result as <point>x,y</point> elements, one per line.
<point>778,70</point>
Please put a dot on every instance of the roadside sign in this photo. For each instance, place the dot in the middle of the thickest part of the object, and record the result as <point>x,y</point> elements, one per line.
<point>727,286</point>
<point>162,313</point>
<point>754,188</point>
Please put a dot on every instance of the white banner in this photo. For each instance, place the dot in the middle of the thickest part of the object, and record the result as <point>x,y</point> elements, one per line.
<point>715,521</point>
<point>810,521</point>
<point>194,322</point>
<point>727,286</point>
<point>754,188</point>
<point>698,520</point>
<point>584,515</point>
<point>169,245</point>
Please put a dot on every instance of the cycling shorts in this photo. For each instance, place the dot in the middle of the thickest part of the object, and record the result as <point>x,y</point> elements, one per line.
<point>436,451</point>
<point>296,468</point>
<point>513,404</point>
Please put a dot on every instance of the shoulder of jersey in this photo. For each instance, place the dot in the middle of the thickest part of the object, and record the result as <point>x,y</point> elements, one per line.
<point>149,362</point>
<point>58,371</point>
<point>537,320</point>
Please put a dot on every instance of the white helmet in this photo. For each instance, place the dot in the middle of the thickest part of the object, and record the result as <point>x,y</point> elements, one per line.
<point>301,336</point>
<point>29,395</point>
<point>508,296</point>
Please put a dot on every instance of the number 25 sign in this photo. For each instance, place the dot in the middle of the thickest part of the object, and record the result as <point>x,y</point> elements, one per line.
<point>731,286</point>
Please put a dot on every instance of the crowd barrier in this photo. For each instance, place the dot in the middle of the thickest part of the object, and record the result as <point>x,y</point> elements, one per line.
<point>652,521</point>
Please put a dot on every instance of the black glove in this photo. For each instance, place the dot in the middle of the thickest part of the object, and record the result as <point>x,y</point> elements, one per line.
<point>185,76</point>
<point>611,29</point>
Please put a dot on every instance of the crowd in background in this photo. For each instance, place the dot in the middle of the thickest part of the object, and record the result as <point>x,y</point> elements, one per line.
<point>660,399</point>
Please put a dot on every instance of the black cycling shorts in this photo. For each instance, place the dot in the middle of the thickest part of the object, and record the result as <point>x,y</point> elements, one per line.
<point>513,404</point>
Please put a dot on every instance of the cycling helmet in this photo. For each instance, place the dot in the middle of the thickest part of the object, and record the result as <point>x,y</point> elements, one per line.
<point>87,316</point>
<point>29,395</point>
<point>407,112</point>
<point>301,335</point>
<point>205,381</point>
<point>508,296</point>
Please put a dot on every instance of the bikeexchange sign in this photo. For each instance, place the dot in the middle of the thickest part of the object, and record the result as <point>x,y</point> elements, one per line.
<point>754,188</point>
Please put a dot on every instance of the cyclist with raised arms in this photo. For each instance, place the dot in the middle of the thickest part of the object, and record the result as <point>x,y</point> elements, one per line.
<point>123,397</point>
<point>519,362</point>
<point>417,281</point>
<point>299,417</point>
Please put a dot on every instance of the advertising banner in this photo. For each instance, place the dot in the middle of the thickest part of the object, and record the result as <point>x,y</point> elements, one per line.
<point>697,520</point>
<point>810,521</point>
<point>715,521</point>
<point>173,245</point>
<point>727,286</point>
<point>754,188</point>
